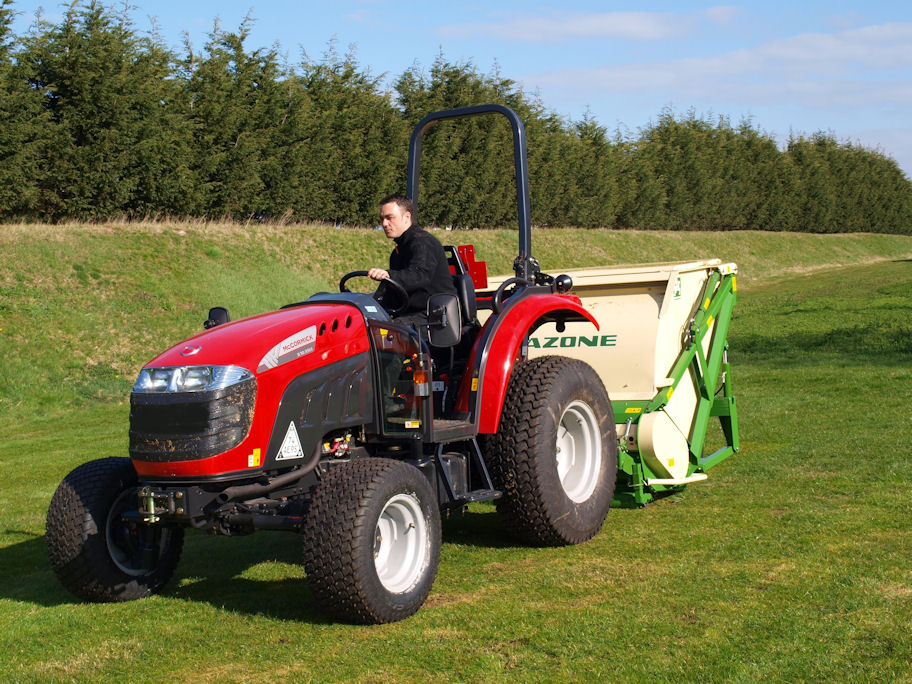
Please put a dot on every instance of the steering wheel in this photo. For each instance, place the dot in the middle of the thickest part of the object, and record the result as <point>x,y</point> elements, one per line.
<point>396,287</point>
<point>497,300</point>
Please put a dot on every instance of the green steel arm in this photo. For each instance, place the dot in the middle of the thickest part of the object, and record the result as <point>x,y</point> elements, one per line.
<point>713,318</point>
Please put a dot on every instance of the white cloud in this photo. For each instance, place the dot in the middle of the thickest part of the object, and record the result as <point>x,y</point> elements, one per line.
<point>876,47</point>
<point>564,26</point>
<point>856,68</point>
<point>723,14</point>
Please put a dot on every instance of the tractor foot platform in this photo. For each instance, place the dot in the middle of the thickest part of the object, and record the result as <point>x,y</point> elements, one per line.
<point>445,431</point>
<point>480,495</point>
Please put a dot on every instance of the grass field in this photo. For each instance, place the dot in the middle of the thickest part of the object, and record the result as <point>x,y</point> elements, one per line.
<point>791,563</point>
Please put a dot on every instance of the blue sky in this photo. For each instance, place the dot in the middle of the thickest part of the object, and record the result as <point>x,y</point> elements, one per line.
<point>791,67</point>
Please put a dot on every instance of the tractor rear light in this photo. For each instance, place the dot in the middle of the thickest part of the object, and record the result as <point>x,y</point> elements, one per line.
<point>189,378</point>
<point>422,383</point>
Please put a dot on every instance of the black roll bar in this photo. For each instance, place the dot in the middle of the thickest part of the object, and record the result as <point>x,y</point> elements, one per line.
<point>525,265</point>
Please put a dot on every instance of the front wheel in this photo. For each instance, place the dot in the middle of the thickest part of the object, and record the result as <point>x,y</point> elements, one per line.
<point>372,541</point>
<point>555,454</point>
<point>98,550</point>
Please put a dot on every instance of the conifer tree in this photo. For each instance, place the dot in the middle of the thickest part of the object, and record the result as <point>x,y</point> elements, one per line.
<point>465,180</point>
<point>100,89</point>
<point>23,129</point>
<point>594,167</point>
<point>816,186</point>
<point>234,103</point>
<point>161,160</point>
<point>355,144</point>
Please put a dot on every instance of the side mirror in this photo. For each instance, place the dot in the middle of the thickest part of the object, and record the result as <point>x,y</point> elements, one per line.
<point>217,316</point>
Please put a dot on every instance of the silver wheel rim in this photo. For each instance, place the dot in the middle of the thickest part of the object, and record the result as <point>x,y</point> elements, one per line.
<point>401,544</point>
<point>579,451</point>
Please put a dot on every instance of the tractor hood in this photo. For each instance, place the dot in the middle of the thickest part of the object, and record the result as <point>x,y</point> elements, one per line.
<point>326,331</point>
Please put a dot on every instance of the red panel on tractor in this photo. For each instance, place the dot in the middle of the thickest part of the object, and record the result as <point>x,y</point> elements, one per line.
<point>477,269</point>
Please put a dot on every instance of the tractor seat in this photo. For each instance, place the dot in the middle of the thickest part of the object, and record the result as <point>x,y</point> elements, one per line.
<point>465,292</point>
<point>450,317</point>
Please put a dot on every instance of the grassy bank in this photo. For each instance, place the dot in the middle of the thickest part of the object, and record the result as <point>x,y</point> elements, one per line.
<point>84,307</point>
<point>789,563</point>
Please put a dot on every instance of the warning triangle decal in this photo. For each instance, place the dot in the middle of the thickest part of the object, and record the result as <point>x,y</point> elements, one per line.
<point>291,447</point>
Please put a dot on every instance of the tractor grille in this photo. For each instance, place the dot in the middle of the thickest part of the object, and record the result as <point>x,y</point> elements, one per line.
<point>187,426</point>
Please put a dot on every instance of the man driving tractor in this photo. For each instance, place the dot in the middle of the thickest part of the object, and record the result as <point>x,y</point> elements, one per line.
<point>417,262</point>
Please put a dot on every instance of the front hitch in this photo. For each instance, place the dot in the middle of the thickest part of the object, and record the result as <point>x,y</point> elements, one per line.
<point>152,504</point>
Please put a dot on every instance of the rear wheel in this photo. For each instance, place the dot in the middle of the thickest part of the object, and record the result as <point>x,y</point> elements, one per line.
<point>97,550</point>
<point>555,455</point>
<point>372,541</point>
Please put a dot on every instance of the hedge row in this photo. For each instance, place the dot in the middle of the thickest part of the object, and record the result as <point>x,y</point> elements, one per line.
<point>100,122</point>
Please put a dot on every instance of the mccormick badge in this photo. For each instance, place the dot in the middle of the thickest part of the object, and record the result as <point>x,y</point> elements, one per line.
<point>289,349</point>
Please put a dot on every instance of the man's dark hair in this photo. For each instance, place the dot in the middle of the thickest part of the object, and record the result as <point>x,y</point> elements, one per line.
<point>405,204</point>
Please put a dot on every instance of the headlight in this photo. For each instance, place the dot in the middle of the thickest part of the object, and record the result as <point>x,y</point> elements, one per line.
<point>189,378</point>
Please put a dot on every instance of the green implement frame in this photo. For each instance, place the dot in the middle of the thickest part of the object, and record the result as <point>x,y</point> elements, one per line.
<point>704,360</point>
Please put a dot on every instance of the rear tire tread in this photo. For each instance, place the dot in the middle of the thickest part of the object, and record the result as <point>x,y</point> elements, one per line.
<point>514,468</point>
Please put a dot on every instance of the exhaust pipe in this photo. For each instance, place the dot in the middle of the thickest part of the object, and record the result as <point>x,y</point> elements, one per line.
<point>259,488</point>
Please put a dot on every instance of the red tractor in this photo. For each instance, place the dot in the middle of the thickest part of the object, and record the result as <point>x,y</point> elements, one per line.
<point>329,419</point>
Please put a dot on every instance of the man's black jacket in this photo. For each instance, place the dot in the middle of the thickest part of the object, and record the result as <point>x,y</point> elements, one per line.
<point>419,264</point>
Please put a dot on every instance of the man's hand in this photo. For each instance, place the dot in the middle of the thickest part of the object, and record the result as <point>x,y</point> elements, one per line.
<point>378,274</point>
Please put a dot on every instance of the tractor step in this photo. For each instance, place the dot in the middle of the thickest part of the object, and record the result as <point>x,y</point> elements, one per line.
<point>445,431</point>
<point>461,470</point>
<point>480,495</point>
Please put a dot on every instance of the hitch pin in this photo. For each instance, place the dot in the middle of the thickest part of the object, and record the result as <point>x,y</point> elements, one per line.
<point>148,501</point>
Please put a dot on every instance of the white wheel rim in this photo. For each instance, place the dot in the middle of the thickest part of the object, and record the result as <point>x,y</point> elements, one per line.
<point>401,543</point>
<point>579,451</point>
